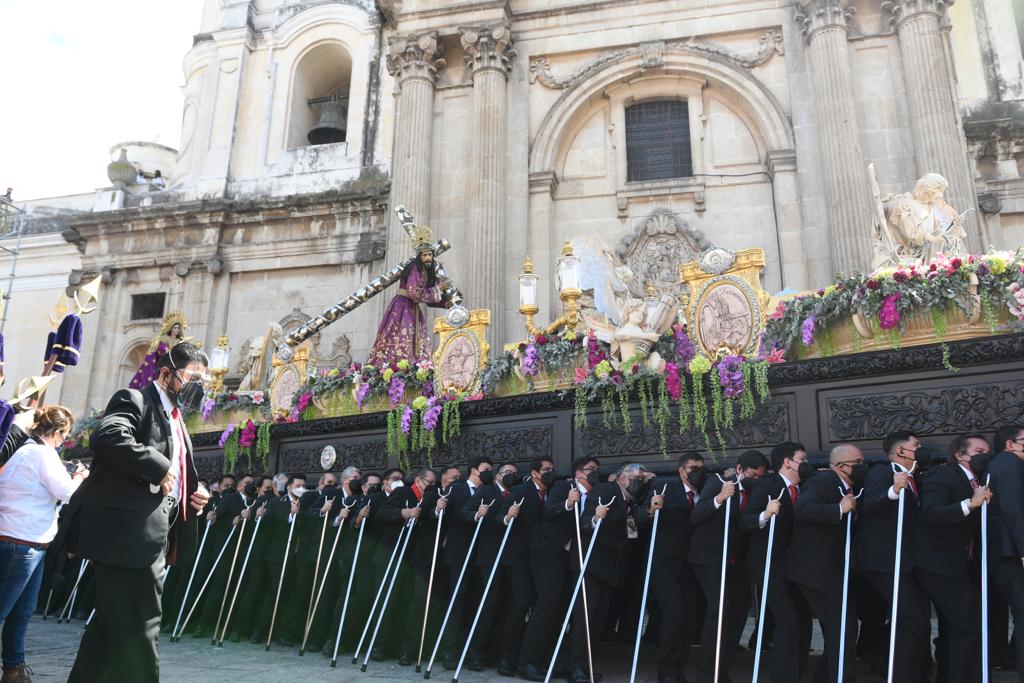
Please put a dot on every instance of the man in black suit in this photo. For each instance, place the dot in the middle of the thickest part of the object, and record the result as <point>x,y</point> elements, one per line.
<point>776,496</point>
<point>708,535</point>
<point>875,550</point>
<point>524,505</point>
<point>673,585</point>
<point>136,512</point>
<point>458,533</point>
<point>947,543</point>
<point>617,504</point>
<point>1006,526</point>
<point>817,552</point>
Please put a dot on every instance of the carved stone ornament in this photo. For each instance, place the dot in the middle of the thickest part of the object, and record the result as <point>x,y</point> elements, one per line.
<point>902,10</point>
<point>658,247</point>
<point>328,456</point>
<point>717,260</point>
<point>653,54</point>
<point>415,55</point>
<point>487,47</point>
<point>813,15</point>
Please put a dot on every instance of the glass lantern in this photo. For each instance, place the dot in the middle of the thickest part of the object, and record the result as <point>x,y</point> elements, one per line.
<point>527,286</point>
<point>568,269</point>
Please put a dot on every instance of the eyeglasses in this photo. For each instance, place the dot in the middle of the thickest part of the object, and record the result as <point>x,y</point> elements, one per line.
<point>851,463</point>
<point>394,479</point>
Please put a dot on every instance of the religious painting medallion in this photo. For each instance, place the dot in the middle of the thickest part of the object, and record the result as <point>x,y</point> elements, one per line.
<point>461,353</point>
<point>328,456</point>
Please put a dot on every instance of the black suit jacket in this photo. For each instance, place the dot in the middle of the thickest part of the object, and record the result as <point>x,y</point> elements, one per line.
<point>521,537</point>
<point>489,539</point>
<point>611,549</point>
<point>818,546</point>
<point>708,527</point>
<point>673,541</point>
<point>875,540</point>
<point>115,517</point>
<point>767,487</point>
<point>1006,511</point>
<point>944,534</point>
<point>457,531</point>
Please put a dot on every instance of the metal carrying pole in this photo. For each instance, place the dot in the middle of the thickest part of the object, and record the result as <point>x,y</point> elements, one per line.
<point>241,575</point>
<point>195,566</point>
<point>896,576</point>
<point>391,586</point>
<point>430,583</point>
<point>202,588</point>
<point>721,581</point>
<point>764,592</point>
<point>348,592</point>
<point>280,581</point>
<point>643,599</point>
<point>323,580</point>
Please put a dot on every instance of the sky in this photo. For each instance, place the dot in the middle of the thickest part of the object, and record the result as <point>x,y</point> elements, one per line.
<point>78,77</point>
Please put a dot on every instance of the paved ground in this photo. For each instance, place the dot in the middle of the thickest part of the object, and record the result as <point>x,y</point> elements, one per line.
<point>51,651</point>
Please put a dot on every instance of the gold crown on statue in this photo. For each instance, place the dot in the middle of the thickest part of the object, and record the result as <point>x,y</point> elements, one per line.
<point>421,236</point>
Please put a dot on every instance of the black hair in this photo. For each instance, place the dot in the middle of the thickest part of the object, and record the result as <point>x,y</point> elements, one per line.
<point>228,475</point>
<point>1006,433</point>
<point>537,463</point>
<point>389,472</point>
<point>579,463</point>
<point>181,354</point>
<point>896,439</point>
<point>690,456</point>
<point>475,463</point>
<point>786,449</point>
<point>423,472</point>
<point>751,460</point>
<point>293,477</point>
<point>959,445</point>
<point>372,474</point>
<point>427,270</point>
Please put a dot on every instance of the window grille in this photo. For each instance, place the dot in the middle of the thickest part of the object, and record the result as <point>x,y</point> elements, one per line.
<point>147,306</point>
<point>658,141</point>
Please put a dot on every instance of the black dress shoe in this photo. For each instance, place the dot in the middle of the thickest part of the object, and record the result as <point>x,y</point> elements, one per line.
<point>404,660</point>
<point>532,672</point>
<point>449,662</point>
<point>285,641</point>
<point>506,668</point>
<point>377,655</point>
<point>473,662</point>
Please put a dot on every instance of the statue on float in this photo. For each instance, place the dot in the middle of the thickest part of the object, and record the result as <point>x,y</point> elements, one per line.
<point>172,332</point>
<point>913,227</point>
<point>634,338</point>
<point>403,333</point>
<point>255,368</point>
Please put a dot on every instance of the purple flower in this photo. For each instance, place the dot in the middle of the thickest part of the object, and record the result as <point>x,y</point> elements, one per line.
<point>888,316</point>
<point>983,269</point>
<point>531,361</point>
<point>428,389</point>
<point>807,331</point>
<point>730,374</point>
<point>431,415</point>
<point>407,420</point>
<point>208,408</point>
<point>225,435</point>
<point>595,354</point>
<point>361,394</point>
<point>396,390</point>
<point>304,401</point>
<point>685,349</point>
<point>672,385</point>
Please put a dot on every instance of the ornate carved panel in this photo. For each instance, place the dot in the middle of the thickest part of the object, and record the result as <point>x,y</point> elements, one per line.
<point>660,243</point>
<point>305,456</point>
<point>502,445</point>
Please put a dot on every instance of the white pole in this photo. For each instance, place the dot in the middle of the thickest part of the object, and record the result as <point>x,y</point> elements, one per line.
<point>764,592</point>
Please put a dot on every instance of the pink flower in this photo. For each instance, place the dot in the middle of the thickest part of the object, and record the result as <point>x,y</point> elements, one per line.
<point>888,315</point>
<point>581,376</point>
<point>672,385</point>
<point>779,311</point>
<point>775,356</point>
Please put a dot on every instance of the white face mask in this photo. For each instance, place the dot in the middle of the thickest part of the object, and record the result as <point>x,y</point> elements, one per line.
<point>397,484</point>
<point>298,491</point>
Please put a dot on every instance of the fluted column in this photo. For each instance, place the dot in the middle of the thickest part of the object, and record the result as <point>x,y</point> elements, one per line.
<point>938,136</point>
<point>845,173</point>
<point>414,61</point>
<point>488,52</point>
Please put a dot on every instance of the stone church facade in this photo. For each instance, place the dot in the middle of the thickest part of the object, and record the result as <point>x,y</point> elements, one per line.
<point>510,126</point>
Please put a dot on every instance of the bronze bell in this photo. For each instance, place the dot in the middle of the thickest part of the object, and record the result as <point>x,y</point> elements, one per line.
<point>332,124</point>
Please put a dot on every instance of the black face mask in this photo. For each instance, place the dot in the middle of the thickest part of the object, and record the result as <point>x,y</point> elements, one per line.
<point>593,478</point>
<point>371,488</point>
<point>547,479</point>
<point>698,478</point>
<point>227,489</point>
<point>979,464</point>
<point>804,470</point>
<point>250,490</point>
<point>637,488</point>
<point>486,477</point>
<point>509,480</point>
<point>355,486</point>
<point>858,473</point>
<point>330,491</point>
<point>189,396</point>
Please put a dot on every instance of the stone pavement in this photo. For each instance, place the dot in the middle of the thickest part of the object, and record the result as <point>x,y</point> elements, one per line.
<point>51,651</point>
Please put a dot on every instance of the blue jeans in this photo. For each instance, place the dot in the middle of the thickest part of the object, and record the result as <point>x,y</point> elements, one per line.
<point>21,573</point>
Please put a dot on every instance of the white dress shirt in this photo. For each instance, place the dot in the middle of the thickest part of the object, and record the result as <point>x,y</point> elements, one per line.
<point>965,504</point>
<point>32,482</point>
<point>762,521</point>
<point>176,444</point>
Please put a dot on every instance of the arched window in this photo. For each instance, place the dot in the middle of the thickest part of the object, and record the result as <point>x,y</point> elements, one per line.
<point>320,90</point>
<point>658,141</point>
<point>132,361</point>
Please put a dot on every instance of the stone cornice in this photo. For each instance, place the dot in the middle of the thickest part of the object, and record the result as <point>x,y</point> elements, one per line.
<point>487,47</point>
<point>415,55</point>
<point>815,15</point>
<point>900,11</point>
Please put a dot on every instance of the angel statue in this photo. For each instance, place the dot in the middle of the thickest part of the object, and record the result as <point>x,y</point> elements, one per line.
<point>257,363</point>
<point>636,336</point>
<point>403,334</point>
<point>172,331</point>
<point>913,227</point>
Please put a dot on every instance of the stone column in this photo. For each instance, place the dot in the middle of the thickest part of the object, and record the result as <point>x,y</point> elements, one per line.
<point>939,141</point>
<point>413,60</point>
<point>488,52</point>
<point>786,199</point>
<point>845,173</point>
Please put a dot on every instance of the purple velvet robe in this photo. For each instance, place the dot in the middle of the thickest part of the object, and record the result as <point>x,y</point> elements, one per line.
<point>403,331</point>
<point>148,371</point>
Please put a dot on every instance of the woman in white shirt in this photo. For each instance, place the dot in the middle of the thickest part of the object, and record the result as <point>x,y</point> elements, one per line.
<point>32,483</point>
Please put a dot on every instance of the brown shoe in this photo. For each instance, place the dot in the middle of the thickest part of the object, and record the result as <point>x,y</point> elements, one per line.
<point>19,674</point>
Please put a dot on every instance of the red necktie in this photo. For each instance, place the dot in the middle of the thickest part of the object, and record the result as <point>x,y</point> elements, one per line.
<point>504,494</point>
<point>974,484</point>
<point>179,438</point>
<point>689,498</point>
<point>793,494</point>
<point>542,495</point>
<point>913,486</point>
<point>743,500</point>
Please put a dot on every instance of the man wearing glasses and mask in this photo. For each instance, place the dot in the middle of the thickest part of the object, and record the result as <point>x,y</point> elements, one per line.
<point>138,514</point>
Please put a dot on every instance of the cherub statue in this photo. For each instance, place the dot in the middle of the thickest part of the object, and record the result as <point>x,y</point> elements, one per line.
<point>636,336</point>
<point>913,227</point>
<point>261,351</point>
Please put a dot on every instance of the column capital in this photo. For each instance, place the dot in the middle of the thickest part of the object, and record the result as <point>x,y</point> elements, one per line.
<point>415,55</point>
<point>487,47</point>
<point>815,15</point>
<point>901,10</point>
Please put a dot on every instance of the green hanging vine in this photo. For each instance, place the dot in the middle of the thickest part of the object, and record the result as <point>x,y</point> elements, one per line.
<point>627,419</point>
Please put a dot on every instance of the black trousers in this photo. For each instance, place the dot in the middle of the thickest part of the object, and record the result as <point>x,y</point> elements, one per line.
<point>677,605</point>
<point>219,584</point>
<point>792,638</point>
<point>488,627</point>
<point>1009,575</point>
<point>549,583</point>
<point>737,603</point>
<point>599,596</point>
<point>827,608</point>
<point>959,606</point>
<point>120,643</point>
<point>463,608</point>
<point>913,625</point>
